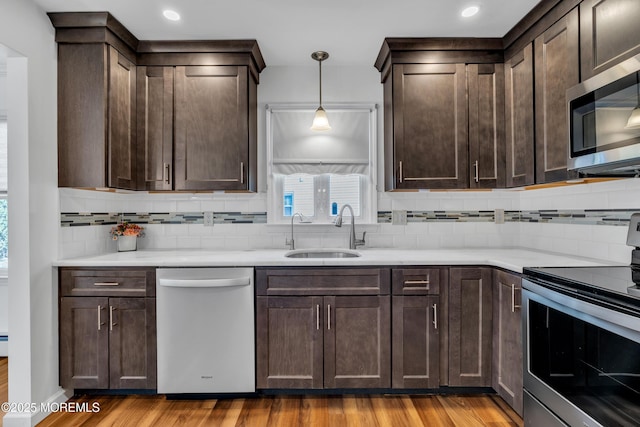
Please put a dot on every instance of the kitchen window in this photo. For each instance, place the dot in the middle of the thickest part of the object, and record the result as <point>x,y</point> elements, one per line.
<point>316,173</point>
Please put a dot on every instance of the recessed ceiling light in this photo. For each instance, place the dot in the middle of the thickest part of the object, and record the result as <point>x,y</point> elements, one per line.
<point>171,15</point>
<point>470,11</point>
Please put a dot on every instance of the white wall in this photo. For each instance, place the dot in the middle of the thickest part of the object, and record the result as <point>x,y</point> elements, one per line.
<point>33,206</point>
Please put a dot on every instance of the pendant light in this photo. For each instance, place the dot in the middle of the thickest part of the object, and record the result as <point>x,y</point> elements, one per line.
<point>634,118</point>
<point>320,121</point>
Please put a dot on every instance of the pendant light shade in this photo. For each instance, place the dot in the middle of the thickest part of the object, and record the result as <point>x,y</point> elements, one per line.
<point>320,121</point>
<point>634,118</point>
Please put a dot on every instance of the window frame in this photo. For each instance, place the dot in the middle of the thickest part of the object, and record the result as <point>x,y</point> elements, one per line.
<point>368,182</point>
<point>4,271</point>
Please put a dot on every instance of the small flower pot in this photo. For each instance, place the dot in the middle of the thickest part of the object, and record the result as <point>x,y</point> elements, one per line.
<point>127,243</point>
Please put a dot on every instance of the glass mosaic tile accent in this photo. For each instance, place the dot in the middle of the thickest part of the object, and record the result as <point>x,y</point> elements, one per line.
<point>618,217</point>
<point>72,219</point>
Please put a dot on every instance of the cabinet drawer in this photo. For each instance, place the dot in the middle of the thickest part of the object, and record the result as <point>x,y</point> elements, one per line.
<point>323,281</point>
<point>418,281</point>
<point>117,282</point>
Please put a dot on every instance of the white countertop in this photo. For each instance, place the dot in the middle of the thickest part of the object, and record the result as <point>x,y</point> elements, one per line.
<point>510,259</point>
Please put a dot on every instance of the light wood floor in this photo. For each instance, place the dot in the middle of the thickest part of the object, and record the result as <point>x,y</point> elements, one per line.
<point>285,411</point>
<point>292,411</point>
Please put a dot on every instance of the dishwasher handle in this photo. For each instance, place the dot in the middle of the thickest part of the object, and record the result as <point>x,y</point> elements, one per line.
<point>205,283</point>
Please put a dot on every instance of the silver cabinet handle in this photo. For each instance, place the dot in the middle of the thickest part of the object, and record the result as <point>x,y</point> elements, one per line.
<point>329,316</point>
<point>476,174</point>
<point>241,172</point>
<point>106,284</point>
<point>111,324</point>
<point>400,170</point>
<point>317,317</point>
<point>100,324</point>
<point>513,298</point>
<point>167,170</point>
<point>435,316</point>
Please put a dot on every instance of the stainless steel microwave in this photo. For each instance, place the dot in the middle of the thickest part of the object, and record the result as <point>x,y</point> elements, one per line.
<point>604,122</point>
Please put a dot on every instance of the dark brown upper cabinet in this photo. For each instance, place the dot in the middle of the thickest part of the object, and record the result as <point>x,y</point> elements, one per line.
<point>430,126</point>
<point>427,116</point>
<point>211,128</point>
<point>97,117</point>
<point>155,128</point>
<point>117,124</point>
<point>609,34</point>
<point>485,83</point>
<point>519,118</point>
<point>557,68</point>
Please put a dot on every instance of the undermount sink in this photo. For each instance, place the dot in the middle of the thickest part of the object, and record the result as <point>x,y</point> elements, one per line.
<point>322,253</point>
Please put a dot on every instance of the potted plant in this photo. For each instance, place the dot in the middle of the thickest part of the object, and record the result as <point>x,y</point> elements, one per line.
<point>126,235</point>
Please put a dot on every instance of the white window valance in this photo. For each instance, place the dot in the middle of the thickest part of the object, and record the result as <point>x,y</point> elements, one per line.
<point>345,149</point>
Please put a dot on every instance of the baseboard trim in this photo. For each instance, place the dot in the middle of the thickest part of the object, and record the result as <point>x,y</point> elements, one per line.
<point>15,419</point>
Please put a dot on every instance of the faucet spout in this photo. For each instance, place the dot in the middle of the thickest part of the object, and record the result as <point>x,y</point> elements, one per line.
<point>352,234</point>
<point>292,242</point>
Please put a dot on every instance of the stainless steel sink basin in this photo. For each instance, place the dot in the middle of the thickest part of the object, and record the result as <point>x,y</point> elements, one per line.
<point>322,253</point>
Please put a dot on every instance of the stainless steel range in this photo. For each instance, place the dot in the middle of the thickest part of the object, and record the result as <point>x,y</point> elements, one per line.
<point>582,343</point>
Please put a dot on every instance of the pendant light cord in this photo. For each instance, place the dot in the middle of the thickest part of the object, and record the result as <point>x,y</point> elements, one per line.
<point>320,81</point>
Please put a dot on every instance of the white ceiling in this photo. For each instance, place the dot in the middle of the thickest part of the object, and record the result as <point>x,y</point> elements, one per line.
<point>288,31</point>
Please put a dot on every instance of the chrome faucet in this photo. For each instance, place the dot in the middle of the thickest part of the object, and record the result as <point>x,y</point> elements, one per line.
<point>292,243</point>
<point>353,242</point>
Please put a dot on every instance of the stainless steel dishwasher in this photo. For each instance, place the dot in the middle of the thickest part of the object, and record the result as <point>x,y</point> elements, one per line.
<point>205,323</point>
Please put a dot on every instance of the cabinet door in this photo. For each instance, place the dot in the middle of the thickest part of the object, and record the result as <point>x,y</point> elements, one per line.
<point>415,342</point>
<point>357,347</point>
<point>609,34</point>
<point>132,343</point>
<point>211,128</point>
<point>519,118</point>
<point>486,125</point>
<point>155,128</point>
<point>430,126</point>
<point>507,338</point>
<point>122,122</point>
<point>470,327</point>
<point>289,342</point>
<point>84,342</point>
<point>557,68</point>
<point>82,109</point>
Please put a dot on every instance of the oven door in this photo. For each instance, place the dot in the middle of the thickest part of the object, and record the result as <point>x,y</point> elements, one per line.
<point>581,360</point>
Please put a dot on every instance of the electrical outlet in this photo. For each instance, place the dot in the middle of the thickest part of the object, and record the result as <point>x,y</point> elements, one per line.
<point>208,219</point>
<point>399,217</point>
<point>498,214</point>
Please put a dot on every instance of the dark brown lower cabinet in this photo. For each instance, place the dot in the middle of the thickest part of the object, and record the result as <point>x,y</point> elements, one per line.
<point>415,341</point>
<point>507,338</point>
<point>107,343</point>
<point>289,342</point>
<point>470,327</point>
<point>313,342</point>
<point>357,343</point>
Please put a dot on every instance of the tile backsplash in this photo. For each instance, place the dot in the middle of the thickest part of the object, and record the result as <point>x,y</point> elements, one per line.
<point>588,220</point>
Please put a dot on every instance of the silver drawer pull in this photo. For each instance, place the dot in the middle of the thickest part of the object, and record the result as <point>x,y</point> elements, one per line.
<point>329,316</point>
<point>416,282</point>
<point>106,284</point>
<point>317,317</point>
